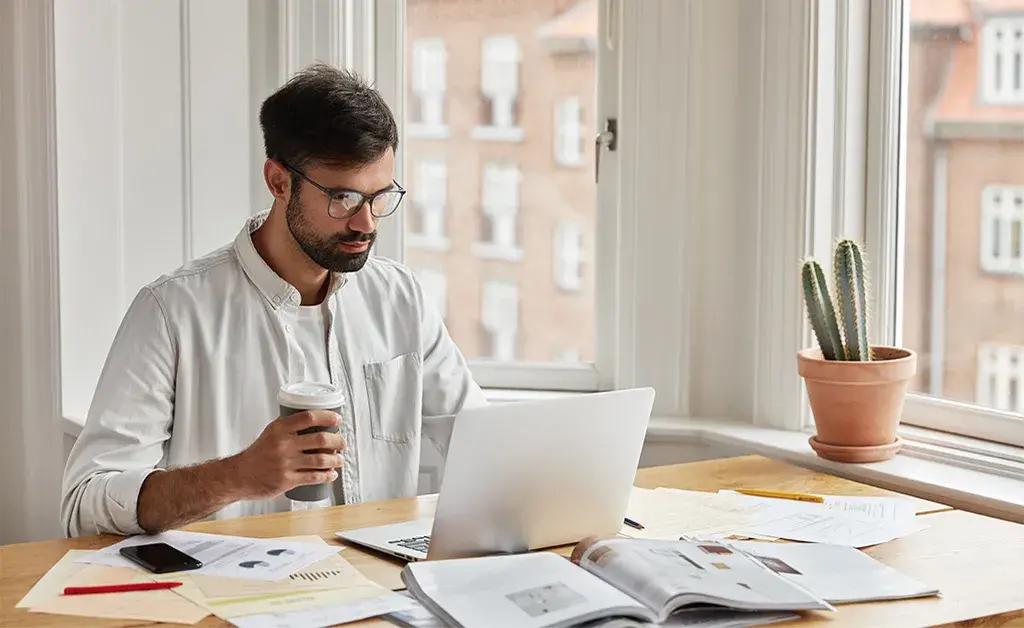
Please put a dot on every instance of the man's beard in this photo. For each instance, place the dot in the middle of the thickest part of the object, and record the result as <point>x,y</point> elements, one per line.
<point>325,251</point>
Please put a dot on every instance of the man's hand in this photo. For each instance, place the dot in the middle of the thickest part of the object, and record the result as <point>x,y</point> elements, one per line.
<point>275,463</point>
<point>282,459</point>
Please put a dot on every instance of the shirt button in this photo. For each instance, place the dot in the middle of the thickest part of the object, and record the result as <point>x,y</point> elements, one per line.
<point>277,300</point>
<point>288,328</point>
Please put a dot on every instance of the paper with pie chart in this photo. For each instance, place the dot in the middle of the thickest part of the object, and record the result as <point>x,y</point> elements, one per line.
<point>226,556</point>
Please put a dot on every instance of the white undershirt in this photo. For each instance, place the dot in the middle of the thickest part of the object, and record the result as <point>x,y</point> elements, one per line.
<point>311,334</point>
<point>309,328</point>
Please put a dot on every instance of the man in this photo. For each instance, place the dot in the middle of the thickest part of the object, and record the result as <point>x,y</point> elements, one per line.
<point>184,423</point>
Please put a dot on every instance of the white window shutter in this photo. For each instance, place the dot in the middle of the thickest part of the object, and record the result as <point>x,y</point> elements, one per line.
<point>500,306</point>
<point>500,67</point>
<point>568,255</point>
<point>428,72</point>
<point>501,189</point>
<point>568,131</point>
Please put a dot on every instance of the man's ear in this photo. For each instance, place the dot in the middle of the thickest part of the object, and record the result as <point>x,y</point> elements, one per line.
<point>278,179</point>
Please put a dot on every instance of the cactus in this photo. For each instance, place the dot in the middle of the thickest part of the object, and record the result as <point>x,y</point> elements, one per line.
<point>851,296</point>
<point>821,312</point>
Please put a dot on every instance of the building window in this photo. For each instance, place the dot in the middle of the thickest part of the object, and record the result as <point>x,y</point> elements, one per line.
<point>427,228</point>
<point>500,319</point>
<point>568,256</point>
<point>428,89</point>
<point>1000,375</point>
<point>499,86</point>
<point>1002,221</point>
<point>498,238</point>
<point>568,132</point>
<point>568,356</point>
<point>435,288</point>
<point>1002,45</point>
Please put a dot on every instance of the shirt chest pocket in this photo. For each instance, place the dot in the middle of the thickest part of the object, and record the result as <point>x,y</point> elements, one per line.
<point>394,391</point>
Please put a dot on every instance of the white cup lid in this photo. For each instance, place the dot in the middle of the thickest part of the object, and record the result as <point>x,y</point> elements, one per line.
<point>311,396</point>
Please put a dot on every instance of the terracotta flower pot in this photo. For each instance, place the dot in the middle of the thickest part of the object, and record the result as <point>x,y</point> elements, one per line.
<point>857,405</point>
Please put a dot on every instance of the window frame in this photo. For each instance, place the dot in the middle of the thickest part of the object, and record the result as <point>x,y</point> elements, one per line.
<point>884,213</point>
<point>385,37</point>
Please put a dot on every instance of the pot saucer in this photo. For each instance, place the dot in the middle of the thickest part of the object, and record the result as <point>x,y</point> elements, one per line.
<point>839,453</point>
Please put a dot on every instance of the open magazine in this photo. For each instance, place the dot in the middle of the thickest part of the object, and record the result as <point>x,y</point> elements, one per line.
<point>645,580</point>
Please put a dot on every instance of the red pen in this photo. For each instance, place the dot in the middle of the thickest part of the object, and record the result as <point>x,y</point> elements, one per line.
<point>121,588</point>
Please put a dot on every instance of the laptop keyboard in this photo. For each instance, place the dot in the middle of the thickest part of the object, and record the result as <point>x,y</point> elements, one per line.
<point>415,543</point>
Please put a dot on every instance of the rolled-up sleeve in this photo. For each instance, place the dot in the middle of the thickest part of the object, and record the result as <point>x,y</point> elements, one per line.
<point>127,427</point>
<point>448,384</point>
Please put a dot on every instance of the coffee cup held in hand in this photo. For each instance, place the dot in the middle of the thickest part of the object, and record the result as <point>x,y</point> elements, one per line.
<point>294,398</point>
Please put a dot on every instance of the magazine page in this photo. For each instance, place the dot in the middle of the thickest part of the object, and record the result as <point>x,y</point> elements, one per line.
<point>534,590</point>
<point>836,573</point>
<point>702,618</point>
<point>666,575</point>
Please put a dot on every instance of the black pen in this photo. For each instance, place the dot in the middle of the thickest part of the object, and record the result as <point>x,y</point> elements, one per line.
<point>632,524</point>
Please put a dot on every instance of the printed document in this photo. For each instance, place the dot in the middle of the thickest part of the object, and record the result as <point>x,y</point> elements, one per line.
<point>226,556</point>
<point>668,513</point>
<point>330,615</point>
<point>835,573</point>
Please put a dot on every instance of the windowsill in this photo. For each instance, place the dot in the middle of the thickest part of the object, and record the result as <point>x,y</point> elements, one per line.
<point>428,131</point>
<point>439,244</point>
<point>931,472</point>
<point>489,250</point>
<point>498,133</point>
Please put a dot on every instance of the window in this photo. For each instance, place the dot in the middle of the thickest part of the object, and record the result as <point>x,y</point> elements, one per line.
<point>568,256</point>
<point>1002,220</point>
<point>568,132</point>
<point>427,76</point>
<point>497,171</point>
<point>962,215</point>
<point>499,318</point>
<point>435,288</point>
<point>1000,375</point>
<point>498,238</point>
<point>499,86</point>
<point>1002,44</point>
<point>430,195</point>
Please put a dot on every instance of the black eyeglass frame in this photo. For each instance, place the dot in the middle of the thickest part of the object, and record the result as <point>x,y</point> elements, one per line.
<point>331,194</point>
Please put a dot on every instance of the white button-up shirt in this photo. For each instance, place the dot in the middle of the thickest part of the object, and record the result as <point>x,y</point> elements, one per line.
<point>195,367</point>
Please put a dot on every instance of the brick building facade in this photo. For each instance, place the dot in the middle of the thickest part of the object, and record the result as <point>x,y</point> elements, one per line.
<point>964,281</point>
<point>500,217</point>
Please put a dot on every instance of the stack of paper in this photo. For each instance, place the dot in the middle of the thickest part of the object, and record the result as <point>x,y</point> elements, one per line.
<point>155,606</point>
<point>840,520</point>
<point>668,514</point>
<point>316,579</point>
<point>854,521</point>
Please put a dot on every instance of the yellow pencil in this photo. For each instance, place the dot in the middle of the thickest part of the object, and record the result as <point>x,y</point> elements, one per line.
<point>797,496</point>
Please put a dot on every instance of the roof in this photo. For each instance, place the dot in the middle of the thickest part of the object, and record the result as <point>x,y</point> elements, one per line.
<point>574,30</point>
<point>940,12</point>
<point>959,100</point>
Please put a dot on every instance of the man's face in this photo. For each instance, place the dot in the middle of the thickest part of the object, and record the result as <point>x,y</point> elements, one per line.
<point>337,244</point>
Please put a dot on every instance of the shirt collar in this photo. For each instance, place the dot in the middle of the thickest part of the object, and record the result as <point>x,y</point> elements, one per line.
<point>274,289</point>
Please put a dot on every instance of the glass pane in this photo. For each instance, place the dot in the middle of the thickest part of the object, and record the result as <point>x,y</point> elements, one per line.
<point>964,281</point>
<point>500,101</point>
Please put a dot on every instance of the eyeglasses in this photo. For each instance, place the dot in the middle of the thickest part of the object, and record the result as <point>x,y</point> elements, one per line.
<point>342,204</point>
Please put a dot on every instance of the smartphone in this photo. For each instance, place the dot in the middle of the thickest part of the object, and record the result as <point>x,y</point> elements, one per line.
<point>160,558</point>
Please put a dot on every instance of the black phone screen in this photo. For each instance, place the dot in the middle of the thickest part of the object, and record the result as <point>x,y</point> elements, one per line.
<point>160,558</point>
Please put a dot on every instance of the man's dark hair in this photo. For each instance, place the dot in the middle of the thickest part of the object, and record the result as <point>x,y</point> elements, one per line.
<point>327,115</point>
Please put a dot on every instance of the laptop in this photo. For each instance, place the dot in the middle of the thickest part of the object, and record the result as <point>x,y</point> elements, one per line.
<point>527,475</point>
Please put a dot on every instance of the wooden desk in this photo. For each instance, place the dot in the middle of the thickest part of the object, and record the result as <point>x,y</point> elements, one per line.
<point>977,562</point>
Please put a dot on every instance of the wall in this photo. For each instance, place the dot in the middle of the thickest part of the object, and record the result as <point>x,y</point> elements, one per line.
<point>161,90</point>
<point>29,369</point>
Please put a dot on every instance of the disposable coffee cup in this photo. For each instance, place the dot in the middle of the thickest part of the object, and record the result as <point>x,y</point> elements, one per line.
<point>293,398</point>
